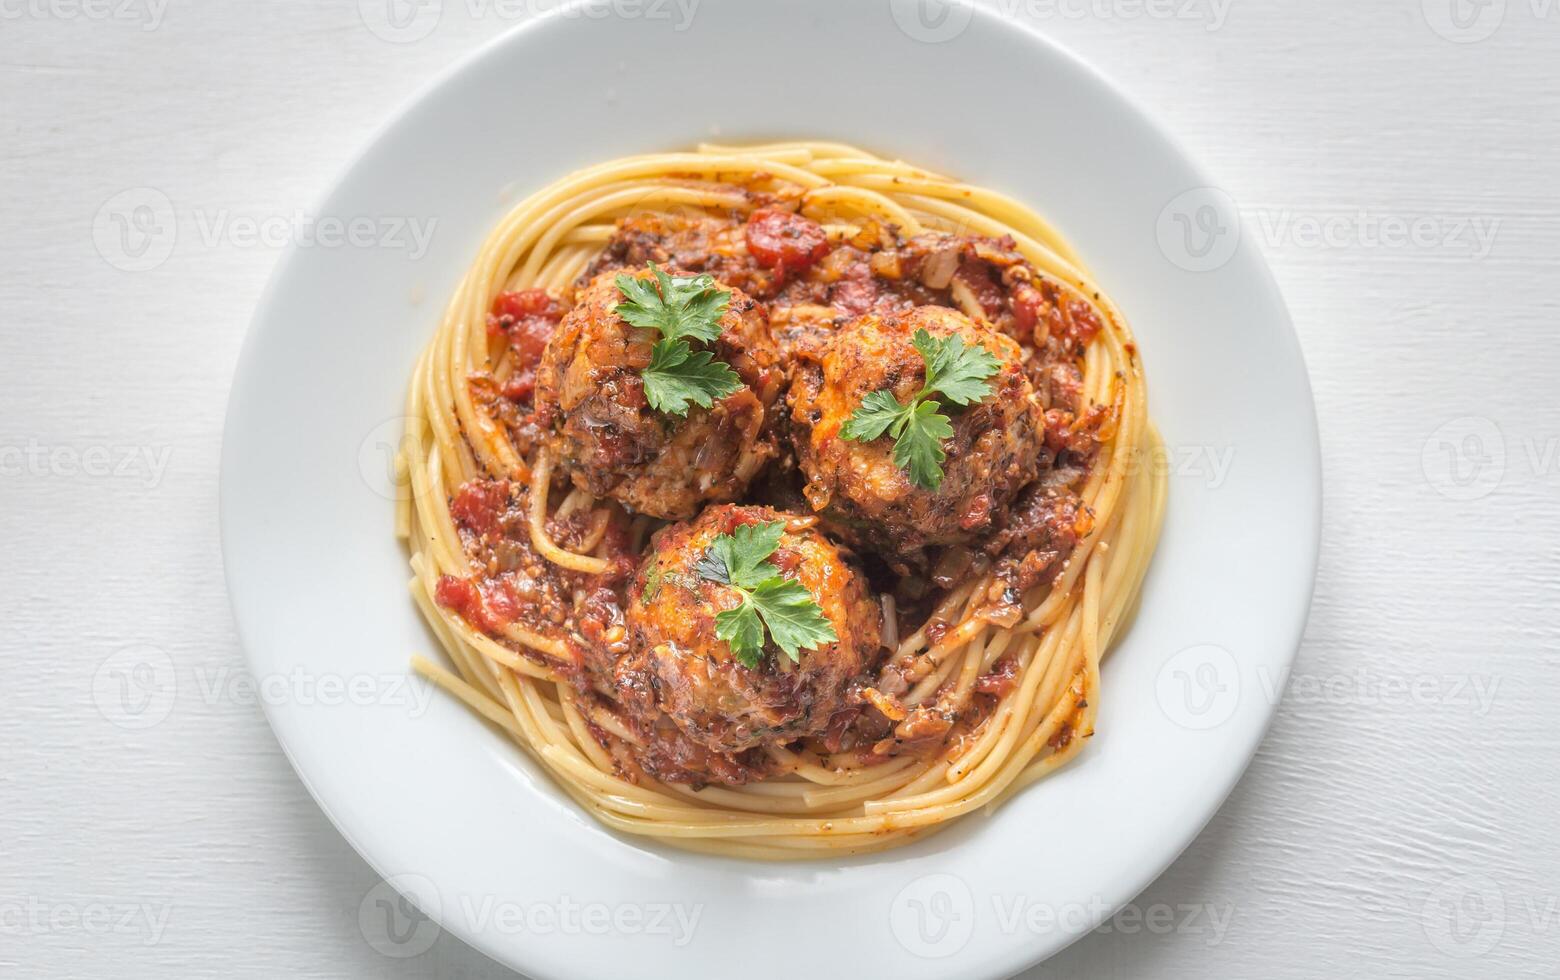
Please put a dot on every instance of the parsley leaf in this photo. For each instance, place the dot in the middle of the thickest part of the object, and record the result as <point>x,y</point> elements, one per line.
<point>918,446</point>
<point>784,607</point>
<point>712,567</point>
<point>743,554</point>
<point>794,619</point>
<point>677,306</point>
<point>955,371</point>
<point>679,376</point>
<point>743,631</point>
<point>878,413</point>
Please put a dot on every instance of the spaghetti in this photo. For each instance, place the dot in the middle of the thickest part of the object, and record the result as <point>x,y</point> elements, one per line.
<point>1006,654</point>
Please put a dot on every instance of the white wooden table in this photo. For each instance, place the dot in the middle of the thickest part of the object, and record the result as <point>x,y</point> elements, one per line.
<point>1401,162</point>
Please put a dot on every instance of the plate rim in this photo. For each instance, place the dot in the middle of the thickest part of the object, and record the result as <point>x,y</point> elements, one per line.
<point>1015,956</point>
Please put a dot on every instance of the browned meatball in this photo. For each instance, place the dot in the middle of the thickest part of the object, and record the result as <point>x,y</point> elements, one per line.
<point>677,668</point>
<point>996,447</point>
<point>590,397</point>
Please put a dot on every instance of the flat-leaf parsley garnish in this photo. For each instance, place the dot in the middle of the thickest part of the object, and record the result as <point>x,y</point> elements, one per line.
<point>795,621</point>
<point>679,307</point>
<point>954,371</point>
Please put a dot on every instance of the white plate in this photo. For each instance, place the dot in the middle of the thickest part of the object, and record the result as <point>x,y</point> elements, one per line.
<point>458,818</point>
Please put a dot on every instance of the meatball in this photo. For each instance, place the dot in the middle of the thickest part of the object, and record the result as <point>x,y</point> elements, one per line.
<point>678,669</point>
<point>591,400</point>
<point>997,445</point>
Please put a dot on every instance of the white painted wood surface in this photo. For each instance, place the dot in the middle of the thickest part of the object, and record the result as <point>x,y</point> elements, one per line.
<point>1400,819</point>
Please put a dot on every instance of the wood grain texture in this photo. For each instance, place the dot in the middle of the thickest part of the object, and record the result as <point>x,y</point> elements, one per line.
<point>1419,743</point>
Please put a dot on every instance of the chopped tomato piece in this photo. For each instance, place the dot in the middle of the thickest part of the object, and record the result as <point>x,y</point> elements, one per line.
<point>785,239</point>
<point>524,303</point>
<point>528,318</point>
<point>458,595</point>
<point>503,606</point>
<point>519,387</point>
<point>528,338</point>
<point>477,505</point>
<point>488,609</point>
